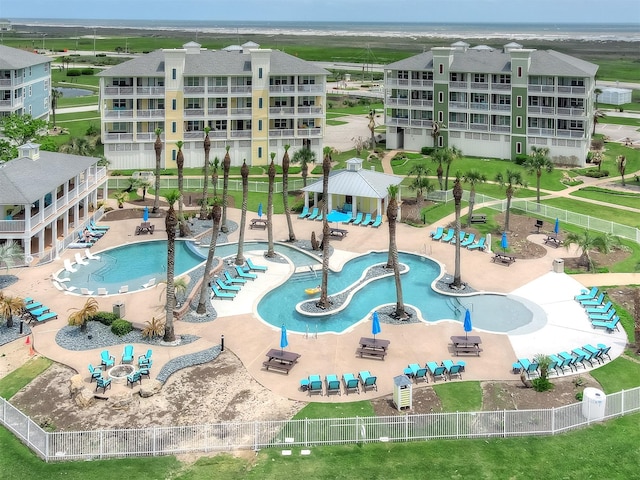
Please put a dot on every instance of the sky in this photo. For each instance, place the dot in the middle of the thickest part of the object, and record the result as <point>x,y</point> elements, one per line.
<point>449,11</point>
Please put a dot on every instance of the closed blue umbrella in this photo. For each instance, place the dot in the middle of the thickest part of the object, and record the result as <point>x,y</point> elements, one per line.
<point>336,216</point>
<point>375,326</point>
<point>556,227</point>
<point>260,210</point>
<point>283,337</point>
<point>467,323</point>
<point>504,243</point>
<point>145,214</point>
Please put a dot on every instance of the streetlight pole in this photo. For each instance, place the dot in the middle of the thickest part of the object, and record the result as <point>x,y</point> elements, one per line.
<point>94,41</point>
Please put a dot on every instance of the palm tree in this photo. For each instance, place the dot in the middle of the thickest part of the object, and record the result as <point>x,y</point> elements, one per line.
<point>597,92</point>
<point>421,183</point>
<point>271,172</point>
<point>304,157</point>
<point>326,170</point>
<point>205,180</point>
<point>157,146</point>
<point>10,253</point>
<point>457,197</point>
<point>244,172</point>
<point>226,165</point>
<point>82,146</point>
<point>621,163</point>
<point>473,177</point>
<point>597,115</point>
<point>586,242</point>
<point>56,94</point>
<point>81,316</point>
<point>285,191</point>
<point>372,126</point>
<point>10,306</point>
<point>448,156</point>
<point>184,229</point>
<point>214,175</point>
<point>511,180</point>
<point>392,262</point>
<point>537,162</point>
<point>170,222</point>
<point>438,157</point>
<point>204,288</point>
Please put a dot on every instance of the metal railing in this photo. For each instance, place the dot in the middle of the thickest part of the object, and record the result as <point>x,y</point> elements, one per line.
<point>100,444</point>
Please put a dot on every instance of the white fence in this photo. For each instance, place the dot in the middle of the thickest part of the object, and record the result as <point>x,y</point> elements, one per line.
<point>99,444</point>
<point>196,183</point>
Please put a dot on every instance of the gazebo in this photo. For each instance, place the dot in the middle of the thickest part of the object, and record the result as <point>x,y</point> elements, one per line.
<point>354,189</point>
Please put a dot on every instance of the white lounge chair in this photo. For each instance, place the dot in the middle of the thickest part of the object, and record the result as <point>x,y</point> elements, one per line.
<point>80,260</point>
<point>102,291</point>
<point>68,267</point>
<point>84,291</point>
<point>91,256</point>
<point>55,277</point>
<point>150,283</point>
<point>68,289</point>
<point>123,289</point>
<point>58,286</point>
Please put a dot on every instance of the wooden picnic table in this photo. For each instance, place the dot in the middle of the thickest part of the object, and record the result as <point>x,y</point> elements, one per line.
<point>280,359</point>
<point>553,240</point>
<point>466,344</point>
<point>338,232</point>
<point>373,347</point>
<point>503,258</point>
<point>258,223</point>
<point>145,227</point>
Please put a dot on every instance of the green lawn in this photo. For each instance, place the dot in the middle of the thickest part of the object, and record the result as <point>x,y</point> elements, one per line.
<point>459,397</point>
<point>362,408</point>
<point>617,375</point>
<point>17,379</point>
<point>610,119</point>
<point>335,123</point>
<point>599,211</point>
<point>614,197</point>
<point>78,101</point>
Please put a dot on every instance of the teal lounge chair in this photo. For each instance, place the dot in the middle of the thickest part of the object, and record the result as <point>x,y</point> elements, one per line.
<point>561,363</point>
<point>315,385</point>
<point>452,369</point>
<point>96,372</point>
<point>469,240</point>
<point>220,294</point>
<point>127,354</point>
<point>103,383</point>
<point>98,227</point>
<point>367,220</point>
<point>224,286</point>
<point>593,303</point>
<point>333,384</point>
<point>39,311</point>
<point>437,371</point>
<point>107,359</point>
<point>461,236</point>
<point>350,383</point>
<point>602,309</point>
<point>358,219</point>
<point>243,274</point>
<point>314,214</point>
<point>447,238</point>
<point>605,350</point>
<point>377,222</point>
<point>367,380</point>
<point>585,355</point>
<point>304,213</point>
<point>349,220</point>
<point>255,268</point>
<point>588,296</point>
<point>603,317</point>
<point>609,326</point>
<point>231,280</point>
<point>479,245</point>
<point>437,235</point>
<point>320,216</point>
<point>46,316</point>
<point>417,372</point>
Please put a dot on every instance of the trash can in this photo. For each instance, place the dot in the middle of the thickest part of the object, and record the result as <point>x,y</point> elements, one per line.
<point>558,265</point>
<point>594,403</point>
<point>118,309</point>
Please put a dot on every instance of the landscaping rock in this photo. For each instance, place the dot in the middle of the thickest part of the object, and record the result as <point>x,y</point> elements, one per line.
<point>84,398</point>
<point>150,388</point>
<point>121,401</point>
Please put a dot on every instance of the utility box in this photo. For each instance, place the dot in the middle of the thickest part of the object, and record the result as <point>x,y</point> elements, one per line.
<point>558,265</point>
<point>118,309</point>
<point>402,392</point>
<point>594,403</point>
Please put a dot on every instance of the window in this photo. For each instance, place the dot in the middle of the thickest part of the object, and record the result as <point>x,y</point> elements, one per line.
<point>193,103</point>
<point>502,78</point>
<point>518,147</point>
<point>173,127</point>
<point>30,90</point>
<point>403,74</point>
<point>280,123</point>
<point>259,152</point>
<point>259,125</point>
<point>173,155</point>
<point>46,84</point>
<point>441,68</point>
<point>440,141</point>
<point>480,77</point>
<point>440,117</point>
<point>220,124</point>
<point>30,109</point>
<point>46,103</point>
<point>174,74</point>
<point>519,71</point>
<point>518,122</point>
<point>260,72</point>
<point>194,126</point>
<point>119,104</point>
<point>221,103</point>
<point>440,97</point>
<point>260,102</point>
<point>519,101</point>
<point>174,104</point>
<point>192,81</point>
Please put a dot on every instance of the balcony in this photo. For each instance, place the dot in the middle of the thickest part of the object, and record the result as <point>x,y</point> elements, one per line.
<point>479,86</point>
<point>116,114</point>
<point>501,107</point>
<point>479,127</point>
<point>281,132</point>
<point>241,89</point>
<point>194,112</point>
<point>196,134</point>
<point>118,91</point>
<point>218,134</point>
<point>571,112</point>
<point>118,137</point>
<point>218,89</point>
<point>397,82</point>
<point>421,122</point>
<point>155,113</point>
<point>395,102</point>
<point>311,88</point>
<point>282,88</point>
<point>458,105</point>
<point>500,128</point>
<point>309,132</point>
<point>281,111</point>
<point>194,89</point>
<point>417,102</point>
<point>147,137</point>
<point>241,111</point>
<point>572,90</point>
<point>217,112</point>
<point>150,91</point>
<point>397,122</point>
<point>240,133</point>
<point>570,133</point>
<point>500,86</point>
<point>479,106</point>
<point>458,125</point>
<point>458,85</point>
<point>310,110</point>
<point>541,110</point>
<point>541,88</point>
<point>540,132</point>
<point>16,103</point>
<point>422,83</point>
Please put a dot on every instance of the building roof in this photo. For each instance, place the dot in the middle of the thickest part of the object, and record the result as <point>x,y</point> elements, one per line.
<point>14,58</point>
<point>358,182</point>
<point>213,62</point>
<point>24,180</point>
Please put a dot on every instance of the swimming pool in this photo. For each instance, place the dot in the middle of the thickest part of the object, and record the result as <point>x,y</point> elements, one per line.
<point>298,257</point>
<point>490,312</point>
<point>133,265</point>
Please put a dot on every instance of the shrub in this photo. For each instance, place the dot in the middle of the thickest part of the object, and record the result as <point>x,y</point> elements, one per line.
<point>520,159</point>
<point>579,396</point>
<point>596,173</point>
<point>121,327</point>
<point>74,72</point>
<point>92,130</point>
<point>153,328</point>
<point>106,318</point>
<point>87,71</point>
<point>541,384</point>
<point>427,150</point>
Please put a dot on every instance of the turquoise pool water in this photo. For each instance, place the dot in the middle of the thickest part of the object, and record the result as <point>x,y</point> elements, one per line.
<point>299,258</point>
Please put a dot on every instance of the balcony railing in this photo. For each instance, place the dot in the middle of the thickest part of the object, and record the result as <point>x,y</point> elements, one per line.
<point>311,88</point>
<point>571,133</point>
<point>282,88</point>
<point>541,110</point>
<point>281,132</point>
<point>197,134</point>
<point>480,127</point>
<point>572,112</point>
<point>572,90</point>
<point>217,112</point>
<point>241,111</point>
<point>458,105</point>
<point>398,122</point>
<point>458,85</point>
<point>421,122</point>
<point>500,106</point>
<point>118,137</point>
<point>538,132</point>
<point>310,132</point>
<point>240,133</point>
<point>159,91</point>
<point>118,91</point>
<point>398,101</point>
<point>479,106</point>
<point>479,86</point>
<point>417,102</point>
<point>241,89</point>
<point>458,125</point>
<point>500,86</point>
<point>155,113</point>
<point>422,83</point>
<point>309,110</point>
<point>218,89</point>
<point>218,134</point>
<point>118,113</point>
<point>397,82</point>
<point>194,89</point>
<point>541,88</point>
<point>500,128</point>
<point>194,112</point>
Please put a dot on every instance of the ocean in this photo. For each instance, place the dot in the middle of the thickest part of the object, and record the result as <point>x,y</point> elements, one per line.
<point>519,31</point>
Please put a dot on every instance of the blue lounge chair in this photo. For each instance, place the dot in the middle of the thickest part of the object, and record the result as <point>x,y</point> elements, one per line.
<point>46,316</point>
<point>572,360</point>
<point>596,353</point>
<point>358,219</point>
<point>605,350</point>
<point>103,383</point>
<point>585,355</point>
<point>479,245</point>
<point>469,240</point>
<point>367,220</point>
<point>602,317</point>
<point>320,216</point>
<point>127,354</point>
<point>601,309</point>
<point>553,364</point>
<point>107,359</point>
<point>418,372</point>
<point>230,279</point>
<point>39,311</point>
<point>587,296</point>
<point>255,268</point>
<point>436,371</point>
<point>243,274</point>
<point>224,286</point>
<point>437,235</point>
<point>145,360</point>
<point>561,363</point>
<point>315,385</point>
<point>96,372</point>
<point>304,213</point>
<point>220,294</point>
<point>367,380</point>
<point>461,236</point>
<point>377,222</point>
<point>447,238</point>
<point>609,326</point>
<point>349,220</point>
<point>98,227</point>
<point>33,306</point>
<point>452,369</point>
<point>593,303</point>
<point>314,214</point>
<point>350,383</point>
<point>333,384</point>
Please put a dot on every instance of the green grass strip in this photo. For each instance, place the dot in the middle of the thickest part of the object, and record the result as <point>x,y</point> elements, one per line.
<point>22,376</point>
<point>459,396</point>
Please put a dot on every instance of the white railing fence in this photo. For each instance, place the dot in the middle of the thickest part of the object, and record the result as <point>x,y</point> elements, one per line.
<point>235,185</point>
<point>99,444</point>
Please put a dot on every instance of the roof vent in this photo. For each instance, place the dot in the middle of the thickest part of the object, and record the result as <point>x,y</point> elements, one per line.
<point>354,164</point>
<point>29,150</point>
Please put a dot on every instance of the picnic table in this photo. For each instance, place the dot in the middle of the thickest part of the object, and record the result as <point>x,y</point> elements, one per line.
<point>478,218</point>
<point>145,227</point>
<point>373,347</point>
<point>553,241</point>
<point>466,344</point>
<point>338,232</point>
<point>503,258</point>
<point>258,223</point>
<point>279,359</point>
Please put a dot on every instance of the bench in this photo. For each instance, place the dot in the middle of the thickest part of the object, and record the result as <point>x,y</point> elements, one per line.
<point>458,349</point>
<point>258,223</point>
<point>478,218</point>
<point>276,365</point>
<point>504,259</point>
<point>553,241</point>
<point>371,353</point>
<point>338,232</point>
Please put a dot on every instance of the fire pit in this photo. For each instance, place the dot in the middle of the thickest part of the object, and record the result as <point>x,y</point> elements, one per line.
<point>119,373</point>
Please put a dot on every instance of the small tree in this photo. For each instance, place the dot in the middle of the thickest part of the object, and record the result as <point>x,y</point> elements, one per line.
<point>586,242</point>
<point>10,306</point>
<point>511,180</point>
<point>621,164</point>
<point>304,157</point>
<point>10,254</point>
<point>542,383</point>
<point>81,316</point>
<point>537,162</point>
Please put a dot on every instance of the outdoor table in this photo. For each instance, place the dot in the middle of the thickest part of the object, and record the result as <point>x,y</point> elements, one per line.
<point>258,223</point>
<point>466,344</point>
<point>374,343</point>
<point>338,232</point>
<point>283,356</point>
<point>553,240</point>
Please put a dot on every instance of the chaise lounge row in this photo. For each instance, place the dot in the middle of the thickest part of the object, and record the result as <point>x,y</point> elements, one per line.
<point>443,370</point>
<point>332,384</point>
<point>601,315</point>
<point>570,360</point>
<point>466,240</point>
<point>230,286</point>
<point>37,311</point>
<point>358,219</point>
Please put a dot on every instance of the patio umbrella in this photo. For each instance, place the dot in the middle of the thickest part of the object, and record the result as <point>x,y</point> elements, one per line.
<point>556,227</point>
<point>283,338</point>
<point>145,214</point>
<point>467,323</point>
<point>375,325</point>
<point>260,210</point>
<point>503,243</point>
<point>336,216</point>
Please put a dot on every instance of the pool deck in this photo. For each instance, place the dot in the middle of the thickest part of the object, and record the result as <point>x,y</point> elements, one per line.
<point>249,338</point>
